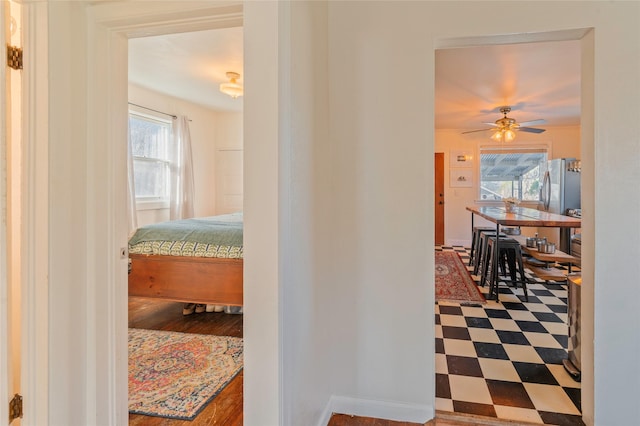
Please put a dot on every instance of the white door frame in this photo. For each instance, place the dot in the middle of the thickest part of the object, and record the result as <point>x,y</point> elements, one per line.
<point>109,27</point>
<point>107,87</point>
<point>34,235</point>
<point>5,360</point>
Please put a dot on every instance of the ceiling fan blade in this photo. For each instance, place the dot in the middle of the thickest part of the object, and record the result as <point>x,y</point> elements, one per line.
<point>491,124</point>
<point>473,131</point>
<point>530,130</point>
<point>533,122</point>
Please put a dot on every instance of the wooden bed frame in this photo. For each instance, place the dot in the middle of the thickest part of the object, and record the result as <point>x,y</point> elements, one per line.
<point>206,280</point>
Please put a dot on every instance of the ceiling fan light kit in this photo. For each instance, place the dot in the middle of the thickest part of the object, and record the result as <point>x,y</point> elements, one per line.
<point>232,88</point>
<point>505,127</point>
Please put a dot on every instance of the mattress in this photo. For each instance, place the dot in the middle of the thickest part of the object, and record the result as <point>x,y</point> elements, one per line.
<point>214,236</point>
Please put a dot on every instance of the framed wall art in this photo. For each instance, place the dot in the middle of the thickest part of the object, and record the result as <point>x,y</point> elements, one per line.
<point>461,178</point>
<point>460,158</point>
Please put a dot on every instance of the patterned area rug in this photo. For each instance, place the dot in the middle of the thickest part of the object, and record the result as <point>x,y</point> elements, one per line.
<point>453,282</point>
<point>175,374</point>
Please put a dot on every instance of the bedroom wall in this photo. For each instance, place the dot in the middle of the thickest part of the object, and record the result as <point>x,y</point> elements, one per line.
<point>216,141</point>
<point>562,142</point>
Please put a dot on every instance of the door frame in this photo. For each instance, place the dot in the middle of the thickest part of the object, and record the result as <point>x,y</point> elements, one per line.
<point>5,359</point>
<point>439,167</point>
<point>109,27</point>
<point>110,37</point>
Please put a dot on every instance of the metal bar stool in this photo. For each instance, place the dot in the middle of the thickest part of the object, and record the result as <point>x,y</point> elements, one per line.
<point>509,253</point>
<point>478,266</point>
<point>475,242</point>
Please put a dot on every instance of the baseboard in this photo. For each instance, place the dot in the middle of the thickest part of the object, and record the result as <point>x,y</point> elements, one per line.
<point>387,410</point>
<point>463,243</point>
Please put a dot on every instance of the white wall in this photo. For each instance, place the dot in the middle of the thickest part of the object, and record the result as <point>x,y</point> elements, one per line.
<point>265,39</point>
<point>381,144</point>
<point>70,209</point>
<point>382,155</point>
<point>561,141</point>
<point>210,131</point>
<point>229,179</point>
<point>312,315</point>
<point>386,148</point>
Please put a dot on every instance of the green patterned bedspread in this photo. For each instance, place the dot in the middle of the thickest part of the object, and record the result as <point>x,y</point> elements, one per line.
<point>214,236</point>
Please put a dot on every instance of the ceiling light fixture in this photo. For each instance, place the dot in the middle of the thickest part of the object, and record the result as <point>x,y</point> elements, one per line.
<point>506,126</point>
<point>232,88</point>
<point>504,134</point>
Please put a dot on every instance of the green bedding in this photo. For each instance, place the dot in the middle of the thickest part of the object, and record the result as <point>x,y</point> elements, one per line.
<point>214,236</point>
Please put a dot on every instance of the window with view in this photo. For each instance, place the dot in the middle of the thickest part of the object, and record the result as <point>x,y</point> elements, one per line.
<point>150,148</point>
<point>511,172</point>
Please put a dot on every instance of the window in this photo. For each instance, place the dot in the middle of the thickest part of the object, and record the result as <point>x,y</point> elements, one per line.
<point>511,172</point>
<point>150,148</point>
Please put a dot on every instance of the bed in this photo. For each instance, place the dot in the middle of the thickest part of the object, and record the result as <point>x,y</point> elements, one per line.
<point>195,260</point>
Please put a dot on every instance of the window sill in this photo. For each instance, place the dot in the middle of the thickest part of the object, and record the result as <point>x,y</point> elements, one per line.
<point>152,205</point>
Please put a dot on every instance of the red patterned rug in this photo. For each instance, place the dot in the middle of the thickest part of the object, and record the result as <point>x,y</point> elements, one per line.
<point>175,374</point>
<point>453,282</point>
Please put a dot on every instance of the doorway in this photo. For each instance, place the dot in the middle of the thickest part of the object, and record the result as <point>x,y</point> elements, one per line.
<point>159,95</point>
<point>439,200</point>
<point>495,366</point>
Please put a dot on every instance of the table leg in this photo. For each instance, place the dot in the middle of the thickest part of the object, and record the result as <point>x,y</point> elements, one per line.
<point>494,267</point>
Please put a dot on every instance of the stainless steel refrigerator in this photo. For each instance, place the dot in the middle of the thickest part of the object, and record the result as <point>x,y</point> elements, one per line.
<point>560,191</point>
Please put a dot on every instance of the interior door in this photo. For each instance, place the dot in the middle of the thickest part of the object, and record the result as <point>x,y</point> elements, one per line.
<point>439,197</point>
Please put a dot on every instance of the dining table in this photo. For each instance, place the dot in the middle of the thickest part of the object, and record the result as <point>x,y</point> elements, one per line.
<point>519,217</point>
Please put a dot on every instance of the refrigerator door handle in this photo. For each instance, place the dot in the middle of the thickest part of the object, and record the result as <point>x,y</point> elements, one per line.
<point>545,193</point>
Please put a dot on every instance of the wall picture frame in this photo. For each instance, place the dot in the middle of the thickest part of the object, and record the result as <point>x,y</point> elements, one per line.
<point>461,178</point>
<point>460,158</point>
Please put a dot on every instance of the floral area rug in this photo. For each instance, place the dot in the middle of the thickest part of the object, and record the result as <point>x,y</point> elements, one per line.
<point>175,374</point>
<point>453,282</point>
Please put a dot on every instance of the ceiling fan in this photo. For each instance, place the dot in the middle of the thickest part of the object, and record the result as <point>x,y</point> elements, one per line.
<point>505,127</point>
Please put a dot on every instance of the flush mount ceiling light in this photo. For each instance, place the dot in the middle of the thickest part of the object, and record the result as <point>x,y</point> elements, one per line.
<point>232,88</point>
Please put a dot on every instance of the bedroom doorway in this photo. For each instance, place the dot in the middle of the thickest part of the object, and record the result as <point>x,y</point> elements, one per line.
<point>158,95</point>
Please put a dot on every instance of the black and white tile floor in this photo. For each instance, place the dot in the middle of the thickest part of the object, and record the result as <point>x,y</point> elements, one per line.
<point>504,359</point>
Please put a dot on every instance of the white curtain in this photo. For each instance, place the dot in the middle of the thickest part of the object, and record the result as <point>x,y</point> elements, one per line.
<point>132,214</point>
<point>182,173</point>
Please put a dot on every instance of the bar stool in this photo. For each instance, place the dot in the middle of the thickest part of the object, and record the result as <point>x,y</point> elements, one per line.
<point>509,252</point>
<point>475,242</point>
<point>478,266</point>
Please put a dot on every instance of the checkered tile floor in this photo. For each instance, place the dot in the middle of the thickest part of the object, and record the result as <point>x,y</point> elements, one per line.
<point>504,359</point>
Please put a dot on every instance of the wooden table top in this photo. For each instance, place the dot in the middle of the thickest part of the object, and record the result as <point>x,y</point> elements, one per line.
<point>524,216</point>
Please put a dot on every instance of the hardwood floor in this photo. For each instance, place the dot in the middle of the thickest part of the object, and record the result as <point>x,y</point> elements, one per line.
<point>442,419</point>
<point>226,407</point>
<point>347,420</point>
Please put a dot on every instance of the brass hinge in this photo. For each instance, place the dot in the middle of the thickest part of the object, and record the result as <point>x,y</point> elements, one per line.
<point>15,408</point>
<point>14,57</point>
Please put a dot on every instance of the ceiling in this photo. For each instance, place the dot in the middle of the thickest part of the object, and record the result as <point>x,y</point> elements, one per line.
<point>538,80</point>
<point>189,66</point>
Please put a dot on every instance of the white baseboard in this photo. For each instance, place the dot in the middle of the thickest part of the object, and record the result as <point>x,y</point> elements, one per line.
<point>387,410</point>
<point>463,243</point>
